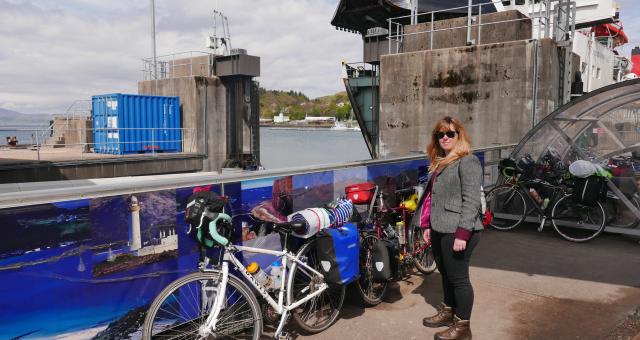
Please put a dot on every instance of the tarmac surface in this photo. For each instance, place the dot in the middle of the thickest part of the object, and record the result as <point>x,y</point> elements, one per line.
<point>528,285</point>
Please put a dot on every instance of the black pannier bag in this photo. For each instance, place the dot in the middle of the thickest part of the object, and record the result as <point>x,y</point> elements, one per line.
<point>589,190</point>
<point>393,246</point>
<point>381,262</point>
<point>198,221</point>
<point>528,167</point>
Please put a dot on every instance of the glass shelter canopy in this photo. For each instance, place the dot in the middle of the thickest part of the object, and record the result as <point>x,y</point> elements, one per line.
<point>602,127</point>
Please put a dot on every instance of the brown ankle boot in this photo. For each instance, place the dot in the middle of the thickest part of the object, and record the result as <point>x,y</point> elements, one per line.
<point>460,330</point>
<point>443,318</point>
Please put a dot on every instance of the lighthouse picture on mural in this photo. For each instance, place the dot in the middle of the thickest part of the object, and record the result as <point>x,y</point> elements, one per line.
<point>140,229</point>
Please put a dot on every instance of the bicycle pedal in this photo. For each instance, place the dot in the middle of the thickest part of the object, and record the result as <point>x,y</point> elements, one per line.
<point>284,336</point>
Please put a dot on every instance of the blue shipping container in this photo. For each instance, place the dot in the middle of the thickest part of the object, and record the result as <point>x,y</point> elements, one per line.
<point>128,123</point>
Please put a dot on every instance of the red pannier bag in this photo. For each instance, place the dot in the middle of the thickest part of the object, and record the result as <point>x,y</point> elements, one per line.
<point>361,193</point>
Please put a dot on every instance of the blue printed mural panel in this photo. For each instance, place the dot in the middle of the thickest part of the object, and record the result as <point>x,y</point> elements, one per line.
<point>135,251</point>
<point>45,266</point>
<point>312,190</point>
<point>345,177</point>
<point>90,268</point>
<point>133,231</point>
<point>395,176</point>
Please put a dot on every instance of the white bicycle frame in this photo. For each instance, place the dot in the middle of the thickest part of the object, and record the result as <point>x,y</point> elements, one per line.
<point>279,306</point>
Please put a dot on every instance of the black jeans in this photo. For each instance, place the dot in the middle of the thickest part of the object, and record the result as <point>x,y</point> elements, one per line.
<point>454,269</point>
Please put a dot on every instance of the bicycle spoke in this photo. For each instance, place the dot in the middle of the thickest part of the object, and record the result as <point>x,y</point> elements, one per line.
<point>577,222</point>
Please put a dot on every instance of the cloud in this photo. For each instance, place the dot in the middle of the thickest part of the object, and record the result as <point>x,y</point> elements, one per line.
<point>56,52</point>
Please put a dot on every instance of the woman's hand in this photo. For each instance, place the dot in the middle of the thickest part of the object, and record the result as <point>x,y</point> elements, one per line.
<point>459,245</point>
<point>426,235</point>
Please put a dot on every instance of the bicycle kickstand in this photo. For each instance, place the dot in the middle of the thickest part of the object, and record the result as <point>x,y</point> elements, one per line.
<point>544,218</point>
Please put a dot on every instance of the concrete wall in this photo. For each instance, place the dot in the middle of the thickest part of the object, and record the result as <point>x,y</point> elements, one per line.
<point>203,103</point>
<point>502,32</point>
<point>71,131</point>
<point>489,87</point>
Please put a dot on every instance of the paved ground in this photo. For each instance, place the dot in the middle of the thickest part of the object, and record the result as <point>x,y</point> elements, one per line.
<point>528,285</point>
<point>12,156</point>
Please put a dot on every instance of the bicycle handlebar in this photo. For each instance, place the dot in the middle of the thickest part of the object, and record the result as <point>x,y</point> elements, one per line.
<point>213,228</point>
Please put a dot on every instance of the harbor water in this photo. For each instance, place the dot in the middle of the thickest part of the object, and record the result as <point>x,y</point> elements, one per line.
<point>285,148</point>
<point>279,147</point>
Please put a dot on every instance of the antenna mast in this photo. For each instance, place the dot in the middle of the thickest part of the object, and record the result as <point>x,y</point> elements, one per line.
<point>221,44</point>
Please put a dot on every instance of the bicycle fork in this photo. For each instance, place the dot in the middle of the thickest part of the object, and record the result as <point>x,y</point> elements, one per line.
<point>210,325</point>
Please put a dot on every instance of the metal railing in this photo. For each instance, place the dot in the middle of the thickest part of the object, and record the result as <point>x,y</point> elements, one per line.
<point>545,16</point>
<point>491,156</point>
<point>64,191</point>
<point>175,65</point>
<point>80,144</point>
<point>361,69</point>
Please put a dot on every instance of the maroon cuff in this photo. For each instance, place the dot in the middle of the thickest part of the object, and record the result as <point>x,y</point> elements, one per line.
<point>463,234</point>
<point>425,226</point>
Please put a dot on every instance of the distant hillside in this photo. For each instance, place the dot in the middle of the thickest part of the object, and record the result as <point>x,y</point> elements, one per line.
<point>296,104</point>
<point>12,118</point>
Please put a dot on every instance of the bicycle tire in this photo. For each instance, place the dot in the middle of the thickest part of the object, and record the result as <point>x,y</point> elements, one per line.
<point>422,260</point>
<point>506,202</point>
<point>621,217</point>
<point>577,222</point>
<point>299,283</point>
<point>186,318</point>
<point>371,292</point>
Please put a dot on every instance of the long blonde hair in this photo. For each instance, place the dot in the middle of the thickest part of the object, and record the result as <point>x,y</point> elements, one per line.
<point>435,153</point>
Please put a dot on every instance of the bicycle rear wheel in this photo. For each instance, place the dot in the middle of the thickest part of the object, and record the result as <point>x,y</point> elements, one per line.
<point>322,311</point>
<point>619,215</point>
<point>182,308</point>
<point>371,292</point>
<point>423,258</point>
<point>507,205</point>
<point>577,222</point>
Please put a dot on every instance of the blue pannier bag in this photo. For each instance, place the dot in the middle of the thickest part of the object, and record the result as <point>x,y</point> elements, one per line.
<point>338,253</point>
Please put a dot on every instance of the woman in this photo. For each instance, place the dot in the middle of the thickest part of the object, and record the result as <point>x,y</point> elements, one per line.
<point>450,218</point>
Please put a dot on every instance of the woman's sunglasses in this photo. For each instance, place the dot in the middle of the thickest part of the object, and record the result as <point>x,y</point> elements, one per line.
<point>449,134</point>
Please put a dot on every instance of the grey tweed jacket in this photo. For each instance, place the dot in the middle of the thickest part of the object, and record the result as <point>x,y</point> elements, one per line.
<point>455,197</point>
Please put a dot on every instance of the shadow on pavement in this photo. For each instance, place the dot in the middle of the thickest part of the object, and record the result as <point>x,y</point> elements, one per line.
<point>607,259</point>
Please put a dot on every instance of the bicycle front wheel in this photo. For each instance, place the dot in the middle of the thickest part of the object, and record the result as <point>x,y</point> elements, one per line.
<point>181,310</point>
<point>322,311</point>
<point>577,222</point>
<point>619,215</point>
<point>423,258</point>
<point>371,292</point>
<point>507,205</point>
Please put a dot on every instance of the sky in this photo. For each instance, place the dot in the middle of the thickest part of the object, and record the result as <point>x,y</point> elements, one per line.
<point>53,52</point>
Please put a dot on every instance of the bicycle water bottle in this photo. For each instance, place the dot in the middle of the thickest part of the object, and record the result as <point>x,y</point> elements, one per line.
<point>276,274</point>
<point>535,195</point>
<point>263,279</point>
<point>400,232</point>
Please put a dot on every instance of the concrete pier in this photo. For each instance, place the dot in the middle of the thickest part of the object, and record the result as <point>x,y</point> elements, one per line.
<point>203,105</point>
<point>491,88</point>
<point>500,85</point>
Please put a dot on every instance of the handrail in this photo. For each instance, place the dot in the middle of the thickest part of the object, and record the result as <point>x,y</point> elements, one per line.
<point>563,12</point>
<point>15,195</point>
<point>168,64</point>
